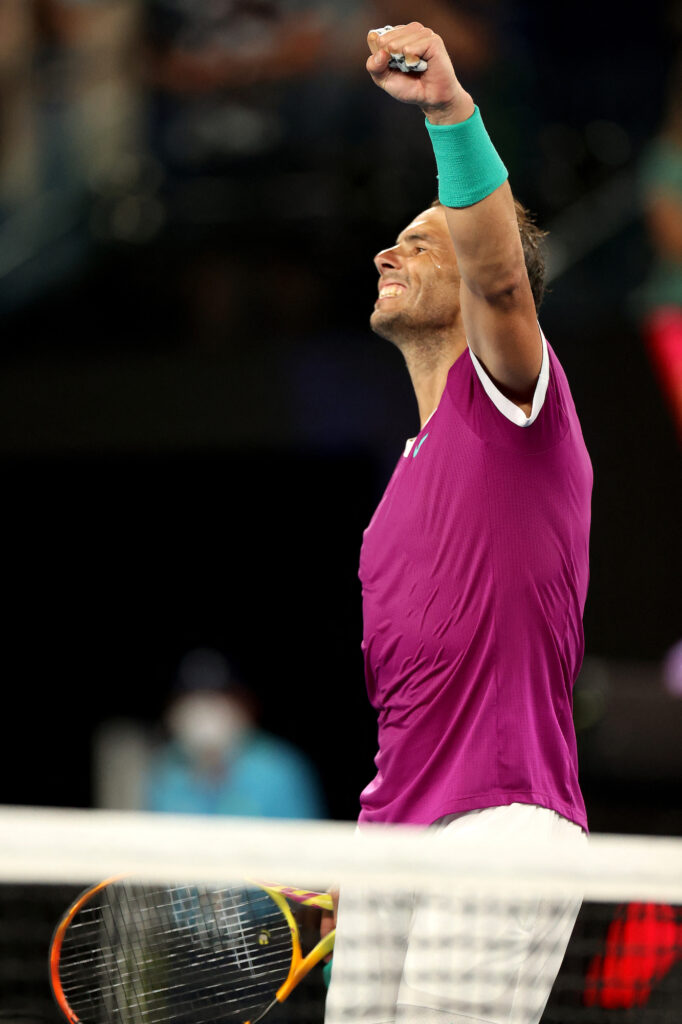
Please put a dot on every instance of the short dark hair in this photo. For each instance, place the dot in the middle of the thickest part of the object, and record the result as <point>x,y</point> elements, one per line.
<point>533,249</point>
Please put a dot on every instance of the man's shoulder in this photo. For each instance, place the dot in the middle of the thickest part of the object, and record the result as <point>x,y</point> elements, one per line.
<point>495,418</point>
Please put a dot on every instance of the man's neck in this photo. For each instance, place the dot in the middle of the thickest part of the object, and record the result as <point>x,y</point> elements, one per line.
<point>428,369</point>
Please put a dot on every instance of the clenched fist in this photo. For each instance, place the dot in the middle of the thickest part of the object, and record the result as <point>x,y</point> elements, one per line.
<point>437,90</point>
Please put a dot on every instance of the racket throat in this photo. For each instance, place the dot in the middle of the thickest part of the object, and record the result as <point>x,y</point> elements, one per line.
<point>304,967</point>
<point>321,950</point>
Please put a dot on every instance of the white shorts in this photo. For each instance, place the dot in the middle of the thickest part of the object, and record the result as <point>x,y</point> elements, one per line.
<point>459,960</point>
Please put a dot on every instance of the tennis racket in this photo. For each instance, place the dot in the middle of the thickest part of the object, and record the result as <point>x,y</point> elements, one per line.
<point>126,953</point>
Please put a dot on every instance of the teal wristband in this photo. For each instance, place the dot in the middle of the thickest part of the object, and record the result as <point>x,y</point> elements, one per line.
<point>469,167</point>
<point>327,972</point>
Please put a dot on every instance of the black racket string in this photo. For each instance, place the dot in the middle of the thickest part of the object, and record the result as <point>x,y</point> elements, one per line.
<point>183,953</point>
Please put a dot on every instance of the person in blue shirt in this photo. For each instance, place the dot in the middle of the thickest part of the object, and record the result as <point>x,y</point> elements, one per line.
<point>218,760</point>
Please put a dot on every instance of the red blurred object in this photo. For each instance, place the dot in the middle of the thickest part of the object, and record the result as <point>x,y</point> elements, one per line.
<point>663,334</point>
<point>642,943</point>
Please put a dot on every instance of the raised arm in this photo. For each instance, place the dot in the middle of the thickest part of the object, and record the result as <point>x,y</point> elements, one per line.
<point>498,311</point>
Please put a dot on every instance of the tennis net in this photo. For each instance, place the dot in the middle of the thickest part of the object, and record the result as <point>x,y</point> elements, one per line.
<point>193,932</point>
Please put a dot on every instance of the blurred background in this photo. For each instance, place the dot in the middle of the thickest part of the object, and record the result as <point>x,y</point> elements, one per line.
<point>196,422</point>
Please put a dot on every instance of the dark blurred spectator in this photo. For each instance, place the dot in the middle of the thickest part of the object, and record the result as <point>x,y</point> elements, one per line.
<point>218,761</point>
<point>68,130</point>
<point>661,295</point>
<point>18,157</point>
<point>91,91</point>
<point>227,76</point>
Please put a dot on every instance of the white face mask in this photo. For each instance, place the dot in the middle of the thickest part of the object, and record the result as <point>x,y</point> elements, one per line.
<point>207,724</point>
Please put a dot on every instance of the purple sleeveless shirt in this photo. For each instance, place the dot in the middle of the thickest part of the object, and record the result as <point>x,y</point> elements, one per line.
<point>474,575</point>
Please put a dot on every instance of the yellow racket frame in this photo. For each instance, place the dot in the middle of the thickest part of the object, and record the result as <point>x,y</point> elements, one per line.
<point>300,965</point>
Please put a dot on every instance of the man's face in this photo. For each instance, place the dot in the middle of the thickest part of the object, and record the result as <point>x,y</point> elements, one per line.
<point>418,282</point>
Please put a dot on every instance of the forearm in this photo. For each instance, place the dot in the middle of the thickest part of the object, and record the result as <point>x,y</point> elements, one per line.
<point>488,246</point>
<point>485,234</point>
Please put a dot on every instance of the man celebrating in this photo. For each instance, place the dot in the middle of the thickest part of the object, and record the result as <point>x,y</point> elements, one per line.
<point>474,575</point>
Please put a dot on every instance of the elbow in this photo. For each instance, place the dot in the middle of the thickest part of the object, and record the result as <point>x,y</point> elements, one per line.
<point>502,280</point>
<point>505,291</point>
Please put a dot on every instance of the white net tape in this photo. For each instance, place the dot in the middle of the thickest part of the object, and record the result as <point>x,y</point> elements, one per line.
<point>78,846</point>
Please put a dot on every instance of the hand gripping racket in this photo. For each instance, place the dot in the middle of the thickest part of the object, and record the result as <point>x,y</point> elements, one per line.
<point>398,61</point>
<point>126,953</point>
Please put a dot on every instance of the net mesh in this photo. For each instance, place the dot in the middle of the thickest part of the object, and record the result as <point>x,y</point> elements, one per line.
<point>443,931</point>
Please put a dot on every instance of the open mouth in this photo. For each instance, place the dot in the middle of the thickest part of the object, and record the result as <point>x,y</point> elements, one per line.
<point>391,290</point>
